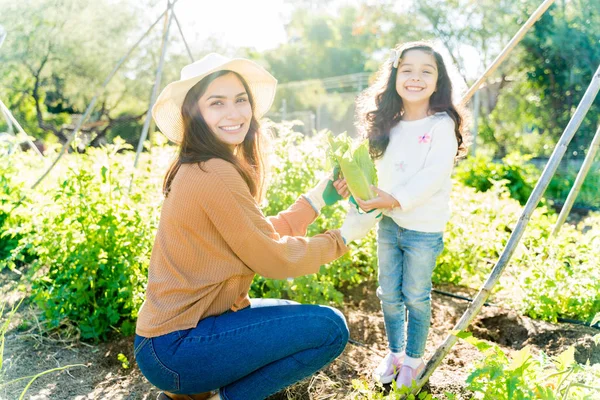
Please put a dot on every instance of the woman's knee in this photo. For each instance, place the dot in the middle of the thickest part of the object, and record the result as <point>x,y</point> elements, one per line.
<point>335,320</point>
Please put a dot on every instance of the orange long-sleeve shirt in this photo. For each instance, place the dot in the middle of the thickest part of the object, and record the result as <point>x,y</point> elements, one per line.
<point>213,238</point>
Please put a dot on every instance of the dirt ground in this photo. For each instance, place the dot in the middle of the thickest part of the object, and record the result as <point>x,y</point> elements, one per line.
<point>103,377</point>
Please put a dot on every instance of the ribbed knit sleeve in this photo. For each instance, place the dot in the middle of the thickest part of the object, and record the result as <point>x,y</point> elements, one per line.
<point>295,220</point>
<point>225,198</point>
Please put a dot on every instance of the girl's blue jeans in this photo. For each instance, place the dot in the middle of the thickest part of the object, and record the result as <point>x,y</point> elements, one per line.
<point>407,259</point>
<point>248,354</point>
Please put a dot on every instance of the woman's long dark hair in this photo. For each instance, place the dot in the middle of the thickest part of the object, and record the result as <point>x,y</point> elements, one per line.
<point>200,144</point>
<point>376,121</point>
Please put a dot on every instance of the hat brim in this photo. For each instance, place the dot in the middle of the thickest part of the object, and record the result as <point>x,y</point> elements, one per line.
<point>167,108</point>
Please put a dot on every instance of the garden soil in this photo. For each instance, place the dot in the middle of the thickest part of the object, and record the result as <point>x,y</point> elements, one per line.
<point>102,376</point>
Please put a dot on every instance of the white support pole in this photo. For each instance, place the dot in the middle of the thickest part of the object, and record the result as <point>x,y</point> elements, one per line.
<point>585,168</point>
<point>509,47</point>
<point>157,79</point>
<point>187,47</point>
<point>11,129</point>
<point>475,128</point>
<point>2,35</point>
<point>88,111</point>
<point>12,121</point>
<point>515,237</point>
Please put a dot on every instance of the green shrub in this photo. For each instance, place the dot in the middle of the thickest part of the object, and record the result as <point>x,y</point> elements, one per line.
<point>93,240</point>
<point>10,216</point>
<point>525,376</point>
<point>480,172</point>
<point>589,194</point>
<point>93,243</point>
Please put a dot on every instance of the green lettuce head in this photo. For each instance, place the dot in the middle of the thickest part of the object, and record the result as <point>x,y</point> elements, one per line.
<point>355,163</point>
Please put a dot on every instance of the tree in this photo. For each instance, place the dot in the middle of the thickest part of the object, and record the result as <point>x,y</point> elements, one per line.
<point>58,53</point>
<point>561,55</point>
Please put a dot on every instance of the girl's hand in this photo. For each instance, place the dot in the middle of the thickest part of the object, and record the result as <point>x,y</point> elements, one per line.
<point>383,200</point>
<point>342,187</point>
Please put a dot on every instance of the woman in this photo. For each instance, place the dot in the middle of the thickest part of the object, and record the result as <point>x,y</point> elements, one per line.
<point>198,334</point>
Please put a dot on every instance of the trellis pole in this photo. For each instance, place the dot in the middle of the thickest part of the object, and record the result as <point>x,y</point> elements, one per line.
<point>585,168</point>
<point>515,237</point>
<point>509,47</point>
<point>10,119</point>
<point>2,35</point>
<point>13,121</point>
<point>155,90</point>
<point>187,47</point>
<point>93,103</point>
<point>167,25</point>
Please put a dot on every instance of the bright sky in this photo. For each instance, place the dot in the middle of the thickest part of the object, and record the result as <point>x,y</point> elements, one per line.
<point>245,23</point>
<point>239,23</point>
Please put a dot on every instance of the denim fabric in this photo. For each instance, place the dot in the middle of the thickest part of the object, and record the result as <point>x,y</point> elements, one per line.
<point>248,354</point>
<point>407,259</point>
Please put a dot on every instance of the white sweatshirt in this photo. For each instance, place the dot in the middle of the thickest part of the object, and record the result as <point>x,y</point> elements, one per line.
<point>416,169</point>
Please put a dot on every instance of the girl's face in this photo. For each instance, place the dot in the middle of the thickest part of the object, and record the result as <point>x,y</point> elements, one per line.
<point>417,77</point>
<point>226,109</point>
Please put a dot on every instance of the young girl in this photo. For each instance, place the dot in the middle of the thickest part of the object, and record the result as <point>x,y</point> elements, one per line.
<point>197,330</point>
<point>414,134</point>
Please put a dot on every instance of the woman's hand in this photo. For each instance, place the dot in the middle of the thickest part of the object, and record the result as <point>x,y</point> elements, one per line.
<point>382,201</point>
<point>327,192</point>
<point>357,225</point>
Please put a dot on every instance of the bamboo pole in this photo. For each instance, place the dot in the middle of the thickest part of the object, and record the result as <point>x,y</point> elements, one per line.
<point>585,168</point>
<point>515,237</point>
<point>475,129</point>
<point>157,79</point>
<point>2,35</point>
<point>187,47</point>
<point>90,107</point>
<point>11,129</point>
<point>509,47</point>
<point>12,121</point>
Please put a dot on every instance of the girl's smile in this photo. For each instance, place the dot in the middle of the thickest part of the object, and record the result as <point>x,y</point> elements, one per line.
<point>417,77</point>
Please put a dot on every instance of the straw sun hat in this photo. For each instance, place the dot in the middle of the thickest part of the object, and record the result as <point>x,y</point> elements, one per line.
<point>167,109</point>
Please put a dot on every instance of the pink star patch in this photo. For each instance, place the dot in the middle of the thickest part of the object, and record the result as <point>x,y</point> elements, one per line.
<point>426,138</point>
<point>401,166</point>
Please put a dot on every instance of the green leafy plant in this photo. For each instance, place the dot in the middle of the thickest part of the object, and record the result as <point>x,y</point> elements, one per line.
<point>518,176</point>
<point>364,390</point>
<point>93,243</point>
<point>124,360</point>
<point>526,376</point>
<point>355,163</point>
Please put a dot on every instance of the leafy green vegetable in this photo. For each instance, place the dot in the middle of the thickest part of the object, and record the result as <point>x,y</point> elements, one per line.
<point>356,164</point>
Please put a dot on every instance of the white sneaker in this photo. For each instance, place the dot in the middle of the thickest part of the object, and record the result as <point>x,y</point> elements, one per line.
<point>388,368</point>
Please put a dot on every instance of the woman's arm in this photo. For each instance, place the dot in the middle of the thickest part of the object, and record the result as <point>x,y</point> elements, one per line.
<point>224,196</point>
<point>295,220</point>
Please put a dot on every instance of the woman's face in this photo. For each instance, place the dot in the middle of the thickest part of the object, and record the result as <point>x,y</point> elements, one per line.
<point>226,109</point>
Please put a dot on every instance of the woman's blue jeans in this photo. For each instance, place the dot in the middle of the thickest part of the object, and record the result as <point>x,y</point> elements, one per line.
<point>248,354</point>
<point>407,259</point>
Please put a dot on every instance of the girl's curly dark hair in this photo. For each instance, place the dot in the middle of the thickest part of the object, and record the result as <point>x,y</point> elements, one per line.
<point>376,120</point>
